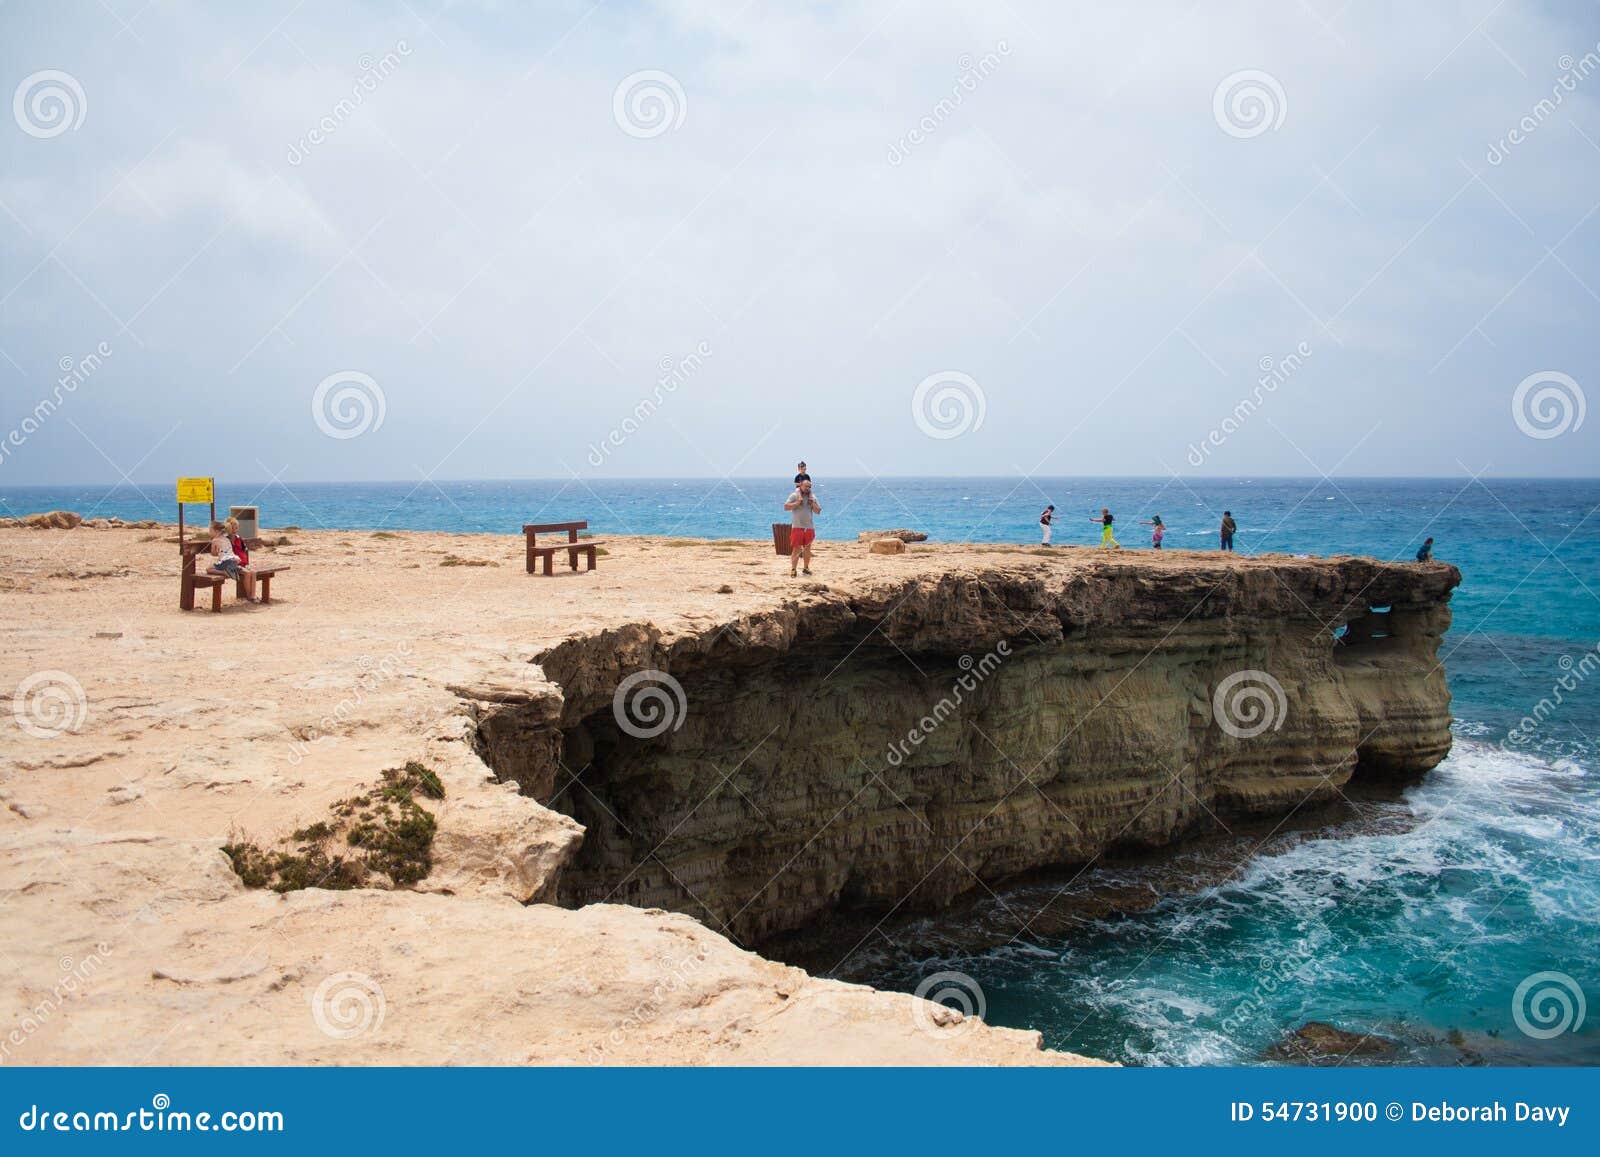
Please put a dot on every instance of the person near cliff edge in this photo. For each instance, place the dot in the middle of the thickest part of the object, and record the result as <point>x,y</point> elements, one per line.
<point>1158,531</point>
<point>802,530</point>
<point>1046,517</point>
<point>1105,518</point>
<point>1228,528</point>
<point>1425,551</point>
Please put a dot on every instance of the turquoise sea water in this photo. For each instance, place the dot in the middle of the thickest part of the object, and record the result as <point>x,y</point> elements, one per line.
<point>1415,916</point>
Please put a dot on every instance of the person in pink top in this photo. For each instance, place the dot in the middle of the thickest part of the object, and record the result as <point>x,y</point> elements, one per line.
<point>1158,531</point>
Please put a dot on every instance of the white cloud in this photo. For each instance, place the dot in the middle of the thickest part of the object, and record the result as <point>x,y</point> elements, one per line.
<point>517,253</point>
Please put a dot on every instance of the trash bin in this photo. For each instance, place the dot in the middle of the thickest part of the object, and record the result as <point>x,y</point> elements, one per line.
<point>249,521</point>
<point>780,538</point>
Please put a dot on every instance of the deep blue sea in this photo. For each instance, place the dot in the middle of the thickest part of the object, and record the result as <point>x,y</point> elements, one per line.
<point>1416,916</point>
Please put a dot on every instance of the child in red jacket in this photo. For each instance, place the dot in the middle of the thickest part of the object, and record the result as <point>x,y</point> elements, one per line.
<point>241,552</point>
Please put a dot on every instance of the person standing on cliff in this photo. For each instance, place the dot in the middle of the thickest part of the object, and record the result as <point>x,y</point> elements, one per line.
<point>1105,519</point>
<point>802,530</point>
<point>1158,531</point>
<point>1046,517</point>
<point>1228,527</point>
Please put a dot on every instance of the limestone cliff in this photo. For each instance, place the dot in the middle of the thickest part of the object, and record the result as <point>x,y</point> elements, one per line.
<point>896,744</point>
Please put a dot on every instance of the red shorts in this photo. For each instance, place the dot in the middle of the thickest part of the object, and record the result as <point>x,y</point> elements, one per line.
<point>801,536</point>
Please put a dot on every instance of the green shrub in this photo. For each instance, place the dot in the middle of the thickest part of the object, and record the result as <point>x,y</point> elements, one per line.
<point>387,832</point>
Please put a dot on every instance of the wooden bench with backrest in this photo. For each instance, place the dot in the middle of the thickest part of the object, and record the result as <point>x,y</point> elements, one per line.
<point>194,580</point>
<point>572,546</point>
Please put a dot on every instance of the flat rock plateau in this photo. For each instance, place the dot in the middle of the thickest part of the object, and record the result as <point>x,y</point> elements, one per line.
<point>646,772</point>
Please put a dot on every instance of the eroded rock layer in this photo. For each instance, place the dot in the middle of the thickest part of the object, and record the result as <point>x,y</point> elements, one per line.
<point>894,747</point>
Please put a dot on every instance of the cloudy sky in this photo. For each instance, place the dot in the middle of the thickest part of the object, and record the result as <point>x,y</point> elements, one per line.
<point>465,240</point>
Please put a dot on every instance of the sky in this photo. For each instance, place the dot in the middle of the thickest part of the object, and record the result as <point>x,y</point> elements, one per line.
<point>429,240</point>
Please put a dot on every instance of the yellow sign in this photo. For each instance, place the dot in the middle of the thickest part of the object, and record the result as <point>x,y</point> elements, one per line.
<point>196,490</point>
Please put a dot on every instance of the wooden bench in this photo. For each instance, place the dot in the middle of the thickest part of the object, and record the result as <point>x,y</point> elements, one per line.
<point>263,576</point>
<point>193,580</point>
<point>572,546</point>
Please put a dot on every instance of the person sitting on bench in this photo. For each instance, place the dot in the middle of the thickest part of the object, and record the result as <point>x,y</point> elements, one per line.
<point>227,561</point>
<point>241,552</point>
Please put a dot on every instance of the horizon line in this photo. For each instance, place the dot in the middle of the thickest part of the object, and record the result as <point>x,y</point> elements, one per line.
<point>782,478</point>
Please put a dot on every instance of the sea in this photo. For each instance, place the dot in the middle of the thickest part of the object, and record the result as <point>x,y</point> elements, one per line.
<point>1455,921</point>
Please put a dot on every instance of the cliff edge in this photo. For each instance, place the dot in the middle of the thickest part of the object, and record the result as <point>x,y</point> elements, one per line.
<point>894,744</point>
<point>143,740</point>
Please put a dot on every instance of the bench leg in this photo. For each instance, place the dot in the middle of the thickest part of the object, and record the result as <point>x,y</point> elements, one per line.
<point>186,596</point>
<point>548,560</point>
<point>266,588</point>
<point>591,558</point>
<point>532,558</point>
<point>216,598</point>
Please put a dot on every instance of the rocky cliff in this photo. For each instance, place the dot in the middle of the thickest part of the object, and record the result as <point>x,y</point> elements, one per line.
<point>896,744</point>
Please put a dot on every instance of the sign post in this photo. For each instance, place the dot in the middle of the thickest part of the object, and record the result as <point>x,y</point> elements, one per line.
<point>192,490</point>
<point>196,490</point>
